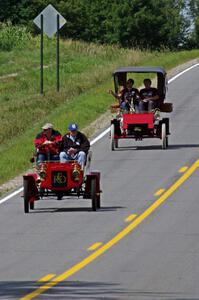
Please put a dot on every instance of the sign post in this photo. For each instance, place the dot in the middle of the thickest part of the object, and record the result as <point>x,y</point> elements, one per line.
<point>42,56</point>
<point>50,21</point>
<point>58,53</point>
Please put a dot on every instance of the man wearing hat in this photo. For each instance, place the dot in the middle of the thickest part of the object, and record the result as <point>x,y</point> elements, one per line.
<point>75,146</point>
<point>47,143</point>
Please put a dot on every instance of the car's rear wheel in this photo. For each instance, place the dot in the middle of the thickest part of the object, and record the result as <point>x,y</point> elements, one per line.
<point>167,141</point>
<point>112,142</point>
<point>98,201</point>
<point>94,195</point>
<point>59,196</point>
<point>26,196</point>
<point>116,143</point>
<point>32,205</point>
<point>164,137</point>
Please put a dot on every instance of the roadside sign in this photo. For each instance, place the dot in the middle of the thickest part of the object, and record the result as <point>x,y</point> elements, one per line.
<point>49,20</point>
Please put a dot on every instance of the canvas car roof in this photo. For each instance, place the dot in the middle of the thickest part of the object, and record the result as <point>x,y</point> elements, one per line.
<point>140,70</point>
<point>120,77</point>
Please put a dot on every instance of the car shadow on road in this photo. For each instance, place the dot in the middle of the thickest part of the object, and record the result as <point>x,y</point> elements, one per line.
<point>181,146</point>
<point>125,148</point>
<point>157,147</point>
<point>75,209</point>
<point>83,290</point>
<point>136,148</point>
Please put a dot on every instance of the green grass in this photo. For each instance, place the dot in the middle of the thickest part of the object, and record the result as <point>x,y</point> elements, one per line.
<point>85,73</point>
<point>83,66</point>
<point>13,37</point>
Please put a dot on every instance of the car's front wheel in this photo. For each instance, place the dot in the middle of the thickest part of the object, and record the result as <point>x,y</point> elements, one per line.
<point>163,136</point>
<point>94,195</point>
<point>112,142</point>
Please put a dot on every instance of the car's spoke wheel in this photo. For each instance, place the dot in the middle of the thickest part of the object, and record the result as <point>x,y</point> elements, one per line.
<point>32,206</point>
<point>26,197</point>
<point>164,137</point>
<point>116,143</point>
<point>98,202</point>
<point>167,141</point>
<point>59,196</point>
<point>93,194</point>
<point>112,143</point>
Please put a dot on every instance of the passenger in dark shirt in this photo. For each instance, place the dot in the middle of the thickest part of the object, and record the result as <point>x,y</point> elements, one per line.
<point>75,146</point>
<point>149,97</point>
<point>128,96</point>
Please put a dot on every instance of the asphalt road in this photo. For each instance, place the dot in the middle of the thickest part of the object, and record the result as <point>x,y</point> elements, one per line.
<point>153,255</point>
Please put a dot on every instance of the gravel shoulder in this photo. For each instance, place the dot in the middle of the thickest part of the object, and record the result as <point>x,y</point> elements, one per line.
<point>93,129</point>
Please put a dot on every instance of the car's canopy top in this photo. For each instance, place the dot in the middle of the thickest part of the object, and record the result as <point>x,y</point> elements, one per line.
<point>120,77</point>
<point>140,70</point>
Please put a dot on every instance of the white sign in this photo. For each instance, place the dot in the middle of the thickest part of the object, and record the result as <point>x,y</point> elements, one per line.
<point>49,20</point>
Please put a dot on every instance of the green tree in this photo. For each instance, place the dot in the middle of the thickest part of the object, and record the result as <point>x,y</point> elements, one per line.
<point>155,23</point>
<point>194,12</point>
<point>129,23</point>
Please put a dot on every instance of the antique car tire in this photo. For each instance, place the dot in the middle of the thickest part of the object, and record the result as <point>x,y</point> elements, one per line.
<point>164,137</point>
<point>88,162</point>
<point>93,194</point>
<point>98,202</point>
<point>166,121</point>
<point>32,206</point>
<point>116,143</point>
<point>26,198</point>
<point>59,196</point>
<point>167,141</point>
<point>112,137</point>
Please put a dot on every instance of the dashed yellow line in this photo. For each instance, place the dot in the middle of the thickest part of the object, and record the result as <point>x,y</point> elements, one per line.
<point>130,218</point>
<point>94,246</point>
<point>46,278</point>
<point>183,169</point>
<point>159,192</point>
<point>118,237</point>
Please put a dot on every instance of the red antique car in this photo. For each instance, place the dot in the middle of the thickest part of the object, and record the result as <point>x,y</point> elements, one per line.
<point>139,126</point>
<point>53,178</point>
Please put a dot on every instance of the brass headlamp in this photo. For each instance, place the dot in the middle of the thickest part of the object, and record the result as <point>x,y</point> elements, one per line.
<point>75,173</point>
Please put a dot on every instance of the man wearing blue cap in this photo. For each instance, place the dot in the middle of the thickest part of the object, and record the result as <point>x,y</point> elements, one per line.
<point>75,146</point>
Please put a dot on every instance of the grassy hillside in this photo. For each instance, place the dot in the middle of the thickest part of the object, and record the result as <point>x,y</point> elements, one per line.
<point>85,74</point>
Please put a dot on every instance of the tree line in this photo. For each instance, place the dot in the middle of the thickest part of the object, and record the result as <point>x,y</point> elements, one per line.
<point>152,24</point>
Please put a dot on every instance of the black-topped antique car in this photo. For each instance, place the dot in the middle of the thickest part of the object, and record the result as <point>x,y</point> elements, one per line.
<point>140,125</point>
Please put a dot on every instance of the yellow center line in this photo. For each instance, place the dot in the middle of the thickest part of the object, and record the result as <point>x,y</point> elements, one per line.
<point>159,192</point>
<point>183,169</point>
<point>129,228</point>
<point>46,278</point>
<point>94,246</point>
<point>130,218</point>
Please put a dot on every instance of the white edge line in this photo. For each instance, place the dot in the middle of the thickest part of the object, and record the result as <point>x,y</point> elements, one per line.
<point>181,73</point>
<point>11,195</point>
<point>101,135</point>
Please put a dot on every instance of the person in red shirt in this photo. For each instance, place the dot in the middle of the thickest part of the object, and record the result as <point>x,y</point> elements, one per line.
<point>47,143</point>
<point>149,97</point>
